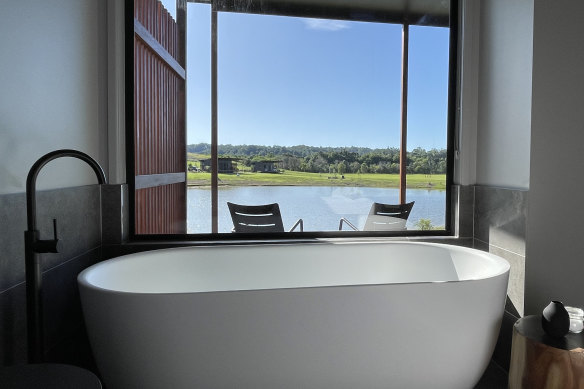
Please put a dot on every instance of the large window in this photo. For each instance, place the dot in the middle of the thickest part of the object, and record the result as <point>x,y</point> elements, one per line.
<point>327,110</point>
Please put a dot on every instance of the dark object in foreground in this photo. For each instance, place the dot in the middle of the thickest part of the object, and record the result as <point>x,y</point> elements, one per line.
<point>555,320</point>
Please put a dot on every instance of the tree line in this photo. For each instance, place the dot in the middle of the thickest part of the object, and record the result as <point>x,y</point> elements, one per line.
<point>339,160</point>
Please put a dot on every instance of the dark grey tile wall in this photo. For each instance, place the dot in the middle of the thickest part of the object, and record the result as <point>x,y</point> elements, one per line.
<point>115,213</point>
<point>499,227</point>
<point>500,216</point>
<point>12,227</point>
<point>463,210</point>
<point>13,325</point>
<point>78,214</point>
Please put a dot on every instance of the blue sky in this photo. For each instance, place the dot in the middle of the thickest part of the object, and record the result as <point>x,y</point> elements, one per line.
<point>289,81</point>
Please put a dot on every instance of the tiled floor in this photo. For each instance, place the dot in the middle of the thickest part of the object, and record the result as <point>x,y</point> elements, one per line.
<point>494,378</point>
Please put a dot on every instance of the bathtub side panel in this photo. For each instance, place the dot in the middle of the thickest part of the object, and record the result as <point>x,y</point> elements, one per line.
<point>410,335</point>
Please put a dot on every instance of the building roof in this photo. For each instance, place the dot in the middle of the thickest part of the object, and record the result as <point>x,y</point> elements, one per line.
<point>267,161</point>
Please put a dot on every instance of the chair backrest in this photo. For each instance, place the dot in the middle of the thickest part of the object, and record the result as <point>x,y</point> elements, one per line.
<point>401,211</point>
<point>256,218</point>
<point>388,217</point>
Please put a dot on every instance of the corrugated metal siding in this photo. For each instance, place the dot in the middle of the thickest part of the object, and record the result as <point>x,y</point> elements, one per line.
<point>159,133</point>
<point>162,209</point>
<point>152,15</point>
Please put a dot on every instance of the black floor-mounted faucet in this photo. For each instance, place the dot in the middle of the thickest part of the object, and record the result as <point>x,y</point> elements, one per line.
<point>33,245</point>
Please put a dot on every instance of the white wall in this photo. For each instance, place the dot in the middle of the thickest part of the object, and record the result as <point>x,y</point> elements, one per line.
<point>504,93</point>
<point>53,89</point>
<point>555,230</point>
<point>465,155</point>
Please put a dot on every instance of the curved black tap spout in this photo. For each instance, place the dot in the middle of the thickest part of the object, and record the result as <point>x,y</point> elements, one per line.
<point>36,168</point>
<point>33,245</point>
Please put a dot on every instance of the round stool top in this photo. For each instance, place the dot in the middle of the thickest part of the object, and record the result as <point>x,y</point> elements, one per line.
<point>47,376</point>
<point>530,327</point>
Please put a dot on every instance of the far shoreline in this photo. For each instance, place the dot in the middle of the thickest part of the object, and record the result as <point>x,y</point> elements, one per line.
<point>206,185</point>
<point>295,178</point>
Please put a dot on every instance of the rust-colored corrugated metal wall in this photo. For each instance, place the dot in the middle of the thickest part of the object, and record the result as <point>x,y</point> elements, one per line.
<point>158,21</point>
<point>165,209</point>
<point>159,138</point>
<point>159,121</point>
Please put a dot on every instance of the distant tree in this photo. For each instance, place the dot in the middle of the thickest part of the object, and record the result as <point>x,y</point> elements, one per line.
<point>354,167</point>
<point>342,167</point>
<point>364,168</point>
<point>317,159</point>
<point>291,162</point>
<point>424,224</point>
<point>332,169</point>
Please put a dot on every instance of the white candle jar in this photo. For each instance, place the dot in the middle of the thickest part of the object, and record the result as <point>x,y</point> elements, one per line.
<point>576,319</point>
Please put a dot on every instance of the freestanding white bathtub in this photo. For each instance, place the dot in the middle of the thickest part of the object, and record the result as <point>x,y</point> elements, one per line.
<point>332,315</point>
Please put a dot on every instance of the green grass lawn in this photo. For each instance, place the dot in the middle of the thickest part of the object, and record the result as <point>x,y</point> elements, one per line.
<point>191,157</point>
<point>436,181</point>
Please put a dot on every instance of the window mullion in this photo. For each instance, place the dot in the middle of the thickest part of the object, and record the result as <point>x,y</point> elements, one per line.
<point>214,137</point>
<point>404,115</point>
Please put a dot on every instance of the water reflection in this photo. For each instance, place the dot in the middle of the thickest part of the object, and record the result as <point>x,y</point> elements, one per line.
<point>321,207</point>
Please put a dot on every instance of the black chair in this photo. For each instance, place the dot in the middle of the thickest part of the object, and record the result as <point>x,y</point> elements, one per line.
<point>384,217</point>
<point>259,218</point>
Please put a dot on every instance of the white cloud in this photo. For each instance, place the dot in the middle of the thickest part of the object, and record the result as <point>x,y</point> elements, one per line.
<point>325,24</point>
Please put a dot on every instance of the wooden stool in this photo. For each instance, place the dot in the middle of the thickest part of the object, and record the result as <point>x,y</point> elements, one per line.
<point>47,376</point>
<point>539,361</point>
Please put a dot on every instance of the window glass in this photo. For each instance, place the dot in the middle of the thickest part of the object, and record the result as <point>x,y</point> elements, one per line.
<point>427,125</point>
<point>314,107</point>
<point>309,117</point>
<point>198,118</point>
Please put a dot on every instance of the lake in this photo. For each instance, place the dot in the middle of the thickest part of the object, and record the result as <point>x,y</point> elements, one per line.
<point>320,207</point>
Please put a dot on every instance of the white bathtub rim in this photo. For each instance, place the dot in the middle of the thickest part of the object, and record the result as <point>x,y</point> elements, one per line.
<point>503,271</point>
<point>112,292</point>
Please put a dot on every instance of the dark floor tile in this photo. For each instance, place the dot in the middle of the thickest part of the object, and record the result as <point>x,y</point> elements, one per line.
<point>494,378</point>
<point>502,353</point>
